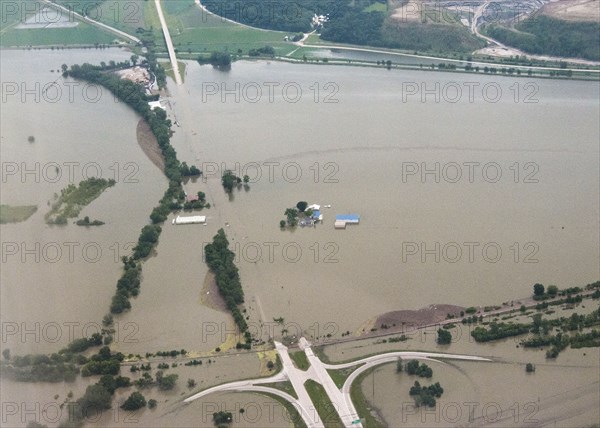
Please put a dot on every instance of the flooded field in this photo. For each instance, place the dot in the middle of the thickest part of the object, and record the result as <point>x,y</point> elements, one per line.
<point>560,392</point>
<point>44,399</point>
<point>425,236</point>
<point>514,199</point>
<point>465,198</point>
<point>57,281</point>
<point>480,394</point>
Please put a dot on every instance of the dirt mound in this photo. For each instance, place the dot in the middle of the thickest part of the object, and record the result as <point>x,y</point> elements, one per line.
<point>430,315</point>
<point>149,145</point>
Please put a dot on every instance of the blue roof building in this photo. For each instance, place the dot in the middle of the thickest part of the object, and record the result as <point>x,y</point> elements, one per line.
<point>348,218</point>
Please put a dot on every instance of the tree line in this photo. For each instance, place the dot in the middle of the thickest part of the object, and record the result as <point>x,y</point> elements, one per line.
<point>174,197</point>
<point>220,260</point>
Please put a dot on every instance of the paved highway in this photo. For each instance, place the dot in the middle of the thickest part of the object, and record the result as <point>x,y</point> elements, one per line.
<point>340,398</point>
<point>169,42</point>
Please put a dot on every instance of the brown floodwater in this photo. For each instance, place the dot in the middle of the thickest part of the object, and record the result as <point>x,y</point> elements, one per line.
<point>480,394</point>
<point>57,281</point>
<point>528,213</point>
<point>562,392</point>
<point>359,155</point>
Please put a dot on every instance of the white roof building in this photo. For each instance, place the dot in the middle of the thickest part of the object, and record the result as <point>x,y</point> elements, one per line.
<point>190,220</point>
<point>155,104</point>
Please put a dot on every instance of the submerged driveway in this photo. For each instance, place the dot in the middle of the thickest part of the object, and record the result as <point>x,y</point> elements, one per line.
<point>340,398</point>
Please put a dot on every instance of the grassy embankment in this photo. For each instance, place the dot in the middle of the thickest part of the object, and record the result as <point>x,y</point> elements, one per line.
<point>125,16</point>
<point>285,386</point>
<point>363,407</point>
<point>195,32</point>
<point>339,376</point>
<point>16,214</point>
<point>73,199</point>
<point>11,35</point>
<point>171,73</point>
<point>323,404</point>
<point>300,359</point>
<point>293,414</point>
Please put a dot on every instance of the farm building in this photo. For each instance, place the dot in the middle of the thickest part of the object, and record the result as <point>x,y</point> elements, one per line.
<point>348,218</point>
<point>190,220</point>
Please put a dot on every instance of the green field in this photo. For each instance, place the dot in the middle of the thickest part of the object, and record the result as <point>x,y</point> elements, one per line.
<point>16,214</point>
<point>194,31</point>
<point>339,376</point>
<point>151,22</point>
<point>376,7</point>
<point>300,359</point>
<point>82,34</point>
<point>323,404</point>
<point>360,401</point>
<point>170,72</point>
<point>294,416</point>
<point>285,386</point>
<point>126,16</point>
<point>73,199</point>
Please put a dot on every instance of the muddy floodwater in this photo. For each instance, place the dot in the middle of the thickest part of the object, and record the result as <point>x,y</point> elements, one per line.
<point>463,201</point>
<point>470,188</point>
<point>57,281</point>
<point>561,392</point>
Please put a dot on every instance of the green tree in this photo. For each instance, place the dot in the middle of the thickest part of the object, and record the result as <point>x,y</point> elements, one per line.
<point>292,216</point>
<point>229,180</point>
<point>134,59</point>
<point>444,337</point>
<point>219,60</point>
<point>109,383</point>
<point>302,206</point>
<point>94,401</point>
<point>108,320</point>
<point>135,401</point>
<point>538,290</point>
<point>529,368</point>
<point>552,290</point>
<point>412,367</point>
<point>399,365</point>
<point>184,169</point>
<point>222,418</point>
<point>120,303</point>
<point>166,382</point>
